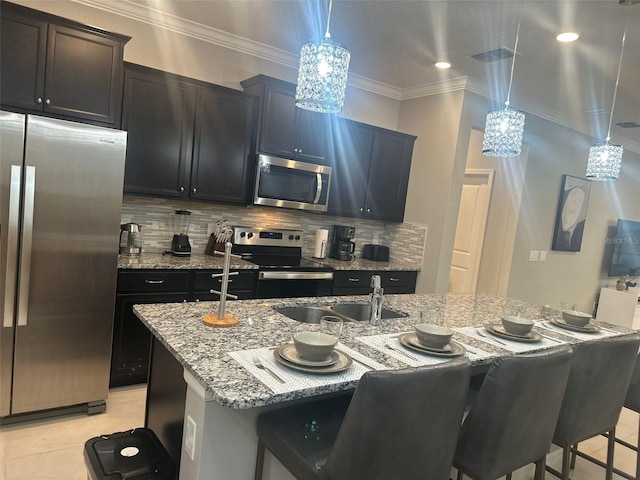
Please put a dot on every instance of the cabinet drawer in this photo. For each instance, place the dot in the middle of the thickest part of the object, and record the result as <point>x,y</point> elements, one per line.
<point>398,279</point>
<point>153,281</point>
<point>245,280</point>
<point>352,279</point>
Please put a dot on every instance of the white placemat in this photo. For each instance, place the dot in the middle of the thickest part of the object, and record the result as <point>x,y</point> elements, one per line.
<point>411,357</point>
<point>295,380</point>
<point>510,345</point>
<point>603,333</point>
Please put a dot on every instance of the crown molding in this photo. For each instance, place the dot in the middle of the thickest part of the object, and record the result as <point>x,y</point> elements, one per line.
<point>159,19</point>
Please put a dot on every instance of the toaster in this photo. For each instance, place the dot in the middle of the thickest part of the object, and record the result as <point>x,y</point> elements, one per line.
<point>377,253</point>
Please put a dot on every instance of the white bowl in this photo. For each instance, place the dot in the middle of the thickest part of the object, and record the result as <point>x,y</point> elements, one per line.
<point>433,336</point>
<point>578,319</point>
<point>517,325</point>
<point>314,346</point>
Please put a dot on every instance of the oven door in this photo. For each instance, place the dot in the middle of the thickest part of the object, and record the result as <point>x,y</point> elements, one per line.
<point>292,184</point>
<point>290,284</point>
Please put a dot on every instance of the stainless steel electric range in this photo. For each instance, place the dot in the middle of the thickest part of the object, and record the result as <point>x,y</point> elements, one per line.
<point>283,271</point>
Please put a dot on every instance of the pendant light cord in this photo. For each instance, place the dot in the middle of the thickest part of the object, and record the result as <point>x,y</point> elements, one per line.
<point>513,62</point>
<point>326,33</point>
<point>615,90</point>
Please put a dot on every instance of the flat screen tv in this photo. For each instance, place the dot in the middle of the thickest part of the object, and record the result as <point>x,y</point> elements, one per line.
<point>625,259</point>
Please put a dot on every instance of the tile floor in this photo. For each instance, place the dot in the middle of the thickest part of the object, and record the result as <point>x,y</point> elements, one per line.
<point>53,449</point>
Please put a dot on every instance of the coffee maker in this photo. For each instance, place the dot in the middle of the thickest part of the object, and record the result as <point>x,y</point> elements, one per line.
<point>342,247</point>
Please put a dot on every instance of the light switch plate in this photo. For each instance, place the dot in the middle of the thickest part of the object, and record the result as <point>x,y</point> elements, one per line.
<point>534,255</point>
<point>543,255</point>
<point>190,437</point>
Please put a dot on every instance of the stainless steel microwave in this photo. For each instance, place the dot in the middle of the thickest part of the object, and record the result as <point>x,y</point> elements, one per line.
<point>292,184</point>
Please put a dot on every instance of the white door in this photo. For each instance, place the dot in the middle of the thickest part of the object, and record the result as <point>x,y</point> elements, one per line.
<point>472,222</point>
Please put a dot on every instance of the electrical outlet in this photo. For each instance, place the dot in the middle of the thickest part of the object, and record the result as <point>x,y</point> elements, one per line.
<point>543,255</point>
<point>190,437</point>
<point>534,255</point>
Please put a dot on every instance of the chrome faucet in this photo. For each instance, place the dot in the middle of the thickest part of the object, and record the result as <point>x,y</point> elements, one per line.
<point>376,301</point>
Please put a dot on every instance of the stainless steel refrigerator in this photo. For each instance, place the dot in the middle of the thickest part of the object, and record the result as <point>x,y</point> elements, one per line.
<point>60,205</point>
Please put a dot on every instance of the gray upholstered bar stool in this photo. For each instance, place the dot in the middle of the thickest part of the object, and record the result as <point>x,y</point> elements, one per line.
<point>599,380</point>
<point>399,424</point>
<point>511,422</point>
<point>632,402</point>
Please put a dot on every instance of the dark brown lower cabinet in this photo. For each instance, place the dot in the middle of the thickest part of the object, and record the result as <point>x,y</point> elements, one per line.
<point>358,282</point>
<point>166,397</point>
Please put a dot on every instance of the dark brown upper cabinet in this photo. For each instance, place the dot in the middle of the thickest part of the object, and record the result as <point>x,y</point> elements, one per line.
<point>285,130</point>
<point>186,139</point>
<point>56,67</point>
<point>371,171</point>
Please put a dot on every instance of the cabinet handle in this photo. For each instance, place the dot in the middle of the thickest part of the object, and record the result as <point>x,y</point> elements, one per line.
<point>368,210</point>
<point>354,279</point>
<point>47,101</point>
<point>39,100</point>
<point>393,279</point>
<point>361,209</point>
<point>194,190</point>
<point>295,150</point>
<point>154,282</point>
<point>182,189</point>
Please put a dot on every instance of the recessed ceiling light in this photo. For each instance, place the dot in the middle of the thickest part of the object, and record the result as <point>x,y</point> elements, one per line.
<point>443,65</point>
<point>567,37</point>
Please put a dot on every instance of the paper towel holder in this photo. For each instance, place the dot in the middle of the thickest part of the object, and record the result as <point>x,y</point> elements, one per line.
<point>321,244</point>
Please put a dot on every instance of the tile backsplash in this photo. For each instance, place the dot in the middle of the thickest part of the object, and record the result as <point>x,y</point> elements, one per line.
<point>156,215</point>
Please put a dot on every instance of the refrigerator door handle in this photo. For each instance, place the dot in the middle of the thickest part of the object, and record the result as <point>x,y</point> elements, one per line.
<point>25,251</point>
<point>12,246</point>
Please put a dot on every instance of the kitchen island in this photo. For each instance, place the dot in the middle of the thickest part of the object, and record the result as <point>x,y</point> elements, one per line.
<point>224,397</point>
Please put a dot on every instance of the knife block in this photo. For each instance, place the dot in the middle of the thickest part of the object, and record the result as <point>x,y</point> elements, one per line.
<point>213,246</point>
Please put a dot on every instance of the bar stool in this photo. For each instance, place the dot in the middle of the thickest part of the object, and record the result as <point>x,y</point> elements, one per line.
<point>599,380</point>
<point>400,424</point>
<point>632,402</point>
<point>511,422</point>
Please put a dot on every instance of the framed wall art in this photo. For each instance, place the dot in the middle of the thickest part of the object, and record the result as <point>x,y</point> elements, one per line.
<point>571,214</point>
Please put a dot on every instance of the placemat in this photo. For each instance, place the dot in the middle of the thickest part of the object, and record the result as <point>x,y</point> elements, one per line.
<point>379,341</point>
<point>295,380</point>
<point>603,333</point>
<point>505,344</point>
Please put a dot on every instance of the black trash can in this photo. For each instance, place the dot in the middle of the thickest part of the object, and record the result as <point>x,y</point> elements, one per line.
<point>134,454</point>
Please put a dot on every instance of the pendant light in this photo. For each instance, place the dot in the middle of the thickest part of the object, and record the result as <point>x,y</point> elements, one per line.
<point>504,129</point>
<point>322,75</point>
<point>605,159</point>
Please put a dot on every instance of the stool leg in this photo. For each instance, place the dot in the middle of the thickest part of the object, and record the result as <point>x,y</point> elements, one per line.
<point>259,461</point>
<point>565,462</point>
<point>459,477</point>
<point>572,465</point>
<point>540,468</point>
<point>611,442</point>
<point>509,477</point>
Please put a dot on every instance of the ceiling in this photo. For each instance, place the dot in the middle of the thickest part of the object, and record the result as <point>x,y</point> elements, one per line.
<point>394,44</point>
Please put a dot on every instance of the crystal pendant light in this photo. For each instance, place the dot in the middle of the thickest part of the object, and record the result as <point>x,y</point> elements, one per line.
<point>605,160</point>
<point>322,75</point>
<point>503,129</point>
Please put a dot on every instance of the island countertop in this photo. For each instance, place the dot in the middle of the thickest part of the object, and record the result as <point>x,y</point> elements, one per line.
<point>203,350</point>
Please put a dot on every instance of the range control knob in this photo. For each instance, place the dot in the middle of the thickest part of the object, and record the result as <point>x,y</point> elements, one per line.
<point>290,237</point>
<point>249,235</point>
<point>297,237</point>
<point>242,234</point>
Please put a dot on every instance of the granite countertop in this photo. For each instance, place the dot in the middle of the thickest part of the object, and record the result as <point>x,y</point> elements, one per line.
<point>201,261</point>
<point>192,262</point>
<point>203,350</point>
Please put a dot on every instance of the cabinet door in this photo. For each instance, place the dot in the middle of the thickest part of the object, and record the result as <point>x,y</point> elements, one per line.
<point>278,122</point>
<point>132,340</point>
<point>311,136</point>
<point>158,115</point>
<point>351,158</point>
<point>388,176</point>
<point>222,166</point>
<point>23,43</point>
<point>83,76</point>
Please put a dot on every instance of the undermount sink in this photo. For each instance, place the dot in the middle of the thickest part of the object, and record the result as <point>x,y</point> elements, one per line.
<point>351,312</point>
